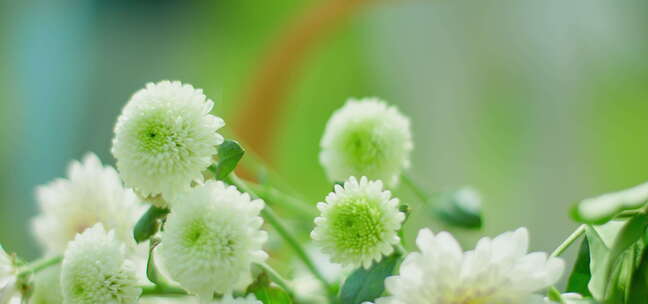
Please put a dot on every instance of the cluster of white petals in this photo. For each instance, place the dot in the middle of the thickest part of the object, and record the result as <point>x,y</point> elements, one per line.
<point>497,271</point>
<point>90,194</point>
<point>358,223</point>
<point>165,138</point>
<point>95,270</point>
<point>366,137</point>
<point>7,277</point>
<point>211,238</point>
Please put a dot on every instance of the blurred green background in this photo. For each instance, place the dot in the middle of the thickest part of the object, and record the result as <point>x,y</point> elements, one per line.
<point>536,103</point>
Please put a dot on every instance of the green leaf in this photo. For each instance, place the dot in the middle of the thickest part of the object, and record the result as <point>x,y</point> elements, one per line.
<point>631,232</point>
<point>639,288</point>
<point>272,295</point>
<point>149,224</point>
<point>267,293</point>
<point>581,275</point>
<point>230,153</point>
<point>601,209</point>
<point>554,295</point>
<point>368,284</point>
<point>598,255</point>
<point>461,208</point>
<point>614,250</point>
<point>619,280</point>
<point>151,271</point>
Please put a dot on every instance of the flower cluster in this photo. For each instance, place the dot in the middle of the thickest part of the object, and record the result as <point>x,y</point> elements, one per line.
<point>174,224</point>
<point>90,194</point>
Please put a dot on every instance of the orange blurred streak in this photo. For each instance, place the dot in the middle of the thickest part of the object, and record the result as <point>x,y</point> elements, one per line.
<point>256,122</point>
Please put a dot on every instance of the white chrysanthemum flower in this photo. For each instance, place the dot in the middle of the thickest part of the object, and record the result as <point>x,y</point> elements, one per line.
<point>90,194</point>
<point>165,138</point>
<point>211,239</point>
<point>366,137</point>
<point>95,270</point>
<point>358,223</point>
<point>47,287</point>
<point>250,299</point>
<point>497,271</point>
<point>8,270</point>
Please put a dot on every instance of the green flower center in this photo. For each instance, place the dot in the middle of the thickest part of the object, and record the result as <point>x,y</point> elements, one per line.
<point>201,238</point>
<point>155,134</point>
<point>356,224</point>
<point>363,147</point>
<point>79,288</point>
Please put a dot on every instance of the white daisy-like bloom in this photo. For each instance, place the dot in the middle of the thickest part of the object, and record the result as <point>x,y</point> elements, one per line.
<point>165,138</point>
<point>366,137</point>
<point>8,270</point>
<point>497,271</point>
<point>358,223</point>
<point>211,239</point>
<point>228,299</point>
<point>95,270</point>
<point>47,287</point>
<point>90,194</point>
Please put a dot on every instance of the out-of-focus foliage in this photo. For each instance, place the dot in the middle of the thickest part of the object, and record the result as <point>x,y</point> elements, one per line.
<point>536,104</point>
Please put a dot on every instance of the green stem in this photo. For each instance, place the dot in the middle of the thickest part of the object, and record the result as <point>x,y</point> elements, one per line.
<point>570,240</point>
<point>273,220</point>
<point>415,188</point>
<point>277,278</point>
<point>162,290</point>
<point>39,265</point>
<point>273,195</point>
<point>294,244</point>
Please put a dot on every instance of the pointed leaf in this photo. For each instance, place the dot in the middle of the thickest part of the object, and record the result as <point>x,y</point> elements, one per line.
<point>581,275</point>
<point>272,295</point>
<point>230,153</point>
<point>598,255</point>
<point>149,224</point>
<point>267,293</point>
<point>613,254</point>
<point>639,288</point>
<point>152,273</point>
<point>554,295</point>
<point>368,284</point>
<point>631,232</point>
